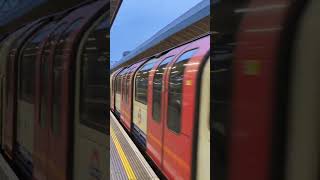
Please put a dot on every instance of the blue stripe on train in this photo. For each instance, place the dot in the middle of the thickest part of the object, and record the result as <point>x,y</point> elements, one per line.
<point>139,136</point>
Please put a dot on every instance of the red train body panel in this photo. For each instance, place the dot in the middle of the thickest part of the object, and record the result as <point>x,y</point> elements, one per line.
<point>253,108</point>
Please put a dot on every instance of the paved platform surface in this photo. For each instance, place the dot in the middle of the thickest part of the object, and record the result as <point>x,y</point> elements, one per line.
<point>6,173</point>
<point>126,161</point>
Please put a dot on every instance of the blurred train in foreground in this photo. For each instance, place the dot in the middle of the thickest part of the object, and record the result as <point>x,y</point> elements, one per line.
<point>164,102</point>
<point>53,95</point>
<point>265,98</point>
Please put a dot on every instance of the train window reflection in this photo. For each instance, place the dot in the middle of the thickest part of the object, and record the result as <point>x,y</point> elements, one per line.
<point>175,91</point>
<point>142,77</point>
<point>157,88</point>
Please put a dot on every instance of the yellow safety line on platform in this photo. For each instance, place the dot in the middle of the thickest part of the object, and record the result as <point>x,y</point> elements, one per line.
<point>123,157</point>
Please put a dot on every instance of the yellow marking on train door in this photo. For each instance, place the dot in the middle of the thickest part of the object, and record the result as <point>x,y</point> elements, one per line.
<point>189,82</point>
<point>252,67</point>
<point>124,160</point>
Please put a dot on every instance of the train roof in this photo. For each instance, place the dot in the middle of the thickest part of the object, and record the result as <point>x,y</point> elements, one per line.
<point>195,22</point>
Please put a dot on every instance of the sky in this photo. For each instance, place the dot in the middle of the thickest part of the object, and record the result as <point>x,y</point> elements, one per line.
<point>138,20</point>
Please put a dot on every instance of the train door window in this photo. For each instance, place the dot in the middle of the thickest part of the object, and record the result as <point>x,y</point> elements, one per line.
<point>27,76</point>
<point>122,87</point>
<point>117,84</point>
<point>57,76</point>
<point>141,89</point>
<point>175,91</point>
<point>127,87</point>
<point>44,91</point>
<point>157,88</point>
<point>124,80</point>
<point>8,83</point>
<point>120,82</point>
<point>93,84</point>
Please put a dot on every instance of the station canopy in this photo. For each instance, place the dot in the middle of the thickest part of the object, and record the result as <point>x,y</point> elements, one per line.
<point>194,23</point>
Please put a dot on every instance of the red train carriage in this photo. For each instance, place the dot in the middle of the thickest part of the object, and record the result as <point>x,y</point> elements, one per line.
<point>166,112</point>
<point>50,130</point>
<point>267,127</point>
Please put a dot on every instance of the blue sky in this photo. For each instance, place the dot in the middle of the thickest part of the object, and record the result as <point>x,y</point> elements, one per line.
<point>138,20</point>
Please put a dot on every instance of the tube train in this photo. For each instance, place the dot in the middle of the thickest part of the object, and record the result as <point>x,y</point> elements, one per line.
<point>265,90</point>
<point>264,119</point>
<point>164,103</point>
<point>53,95</point>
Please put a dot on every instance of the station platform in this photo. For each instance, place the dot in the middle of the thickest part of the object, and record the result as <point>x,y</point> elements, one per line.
<point>126,161</point>
<point>6,173</point>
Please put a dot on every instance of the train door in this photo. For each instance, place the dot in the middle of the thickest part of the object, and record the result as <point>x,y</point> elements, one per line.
<point>43,115</point>
<point>119,90</point>
<point>123,94</point>
<point>3,66</point>
<point>126,103</point>
<point>113,89</point>
<point>91,104</point>
<point>112,93</point>
<point>7,133</point>
<point>179,110</point>
<point>155,122</point>
<point>140,108</point>
<point>59,164</point>
<point>27,100</point>
<point>11,113</point>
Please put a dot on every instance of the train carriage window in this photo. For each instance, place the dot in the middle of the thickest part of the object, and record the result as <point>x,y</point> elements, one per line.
<point>121,86</point>
<point>157,88</point>
<point>123,90</point>
<point>44,92</point>
<point>128,88</point>
<point>118,83</point>
<point>57,76</point>
<point>93,85</point>
<point>175,91</point>
<point>141,89</point>
<point>27,76</point>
